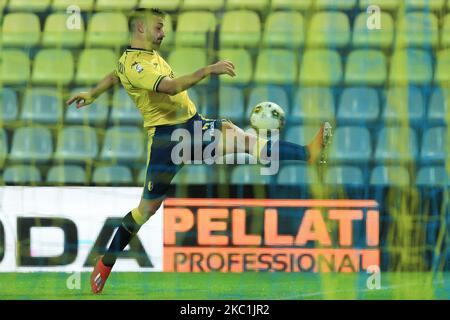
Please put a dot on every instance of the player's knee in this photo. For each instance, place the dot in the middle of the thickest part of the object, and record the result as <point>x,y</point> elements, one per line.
<point>145,211</point>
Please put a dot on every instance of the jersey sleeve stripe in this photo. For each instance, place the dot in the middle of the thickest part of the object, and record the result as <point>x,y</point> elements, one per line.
<point>160,78</point>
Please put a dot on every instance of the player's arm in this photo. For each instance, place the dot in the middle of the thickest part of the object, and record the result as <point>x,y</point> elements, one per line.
<point>177,85</point>
<point>86,98</point>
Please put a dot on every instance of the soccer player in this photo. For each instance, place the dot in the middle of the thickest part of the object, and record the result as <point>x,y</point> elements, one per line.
<point>164,103</point>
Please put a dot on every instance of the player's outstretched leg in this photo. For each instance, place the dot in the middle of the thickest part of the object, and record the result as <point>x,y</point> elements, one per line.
<point>128,228</point>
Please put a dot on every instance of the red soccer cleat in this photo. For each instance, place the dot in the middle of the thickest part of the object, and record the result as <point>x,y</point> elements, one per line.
<point>318,146</point>
<point>99,276</point>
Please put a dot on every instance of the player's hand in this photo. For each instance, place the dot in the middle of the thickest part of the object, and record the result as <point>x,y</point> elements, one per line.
<point>223,67</point>
<point>82,99</point>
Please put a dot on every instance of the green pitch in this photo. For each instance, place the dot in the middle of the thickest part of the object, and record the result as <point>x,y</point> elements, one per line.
<point>174,286</point>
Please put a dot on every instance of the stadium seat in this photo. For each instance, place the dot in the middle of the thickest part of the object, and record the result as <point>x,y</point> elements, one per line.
<point>31,144</point>
<point>439,108</point>
<point>411,67</point>
<point>95,114</point>
<point>57,34</point>
<point>166,5</point>
<point>434,145</point>
<point>114,5</point>
<point>112,175</point>
<point>42,105</point>
<point>276,66</point>
<point>298,5</point>
<point>329,29</point>
<point>22,174</point>
<point>321,67</point>
<point>124,110</point>
<point>366,67</point>
<point>9,110</point>
<point>364,37</point>
<point>351,144</point>
<point>123,144</point>
<point>14,67</point>
<point>84,5</point>
<point>249,175</point>
<point>240,28</point>
<point>301,135</point>
<point>195,28</point>
<point>425,5</point>
<point>197,60</point>
<point>53,67</point>
<point>193,175</point>
<point>396,144</point>
<point>94,65</point>
<point>257,5</point>
<point>284,29</point>
<point>21,30</point>
<point>418,29</point>
<point>70,174</point>
<point>297,175</point>
<point>76,144</point>
<point>344,175</point>
<point>445,33</point>
<point>243,63</point>
<point>272,93</point>
<point>313,104</point>
<point>231,103</point>
<point>434,176</point>
<point>212,5</point>
<point>27,5</point>
<point>358,105</point>
<point>442,73</point>
<point>385,176</point>
<point>404,104</point>
<point>3,146</point>
<point>107,29</point>
<point>388,5</point>
<point>343,5</point>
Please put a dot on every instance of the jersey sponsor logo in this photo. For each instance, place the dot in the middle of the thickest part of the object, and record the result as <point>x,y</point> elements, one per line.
<point>138,67</point>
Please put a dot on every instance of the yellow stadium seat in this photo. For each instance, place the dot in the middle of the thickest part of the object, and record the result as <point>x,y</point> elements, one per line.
<point>193,28</point>
<point>321,67</point>
<point>94,65</point>
<point>388,5</point>
<point>377,38</point>
<point>333,4</point>
<point>276,66</point>
<point>240,28</point>
<point>58,34</point>
<point>212,5</point>
<point>196,57</point>
<point>62,5</point>
<point>27,5</point>
<point>257,5</point>
<point>115,4</point>
<point>418,29</point>
<point>366,67</point>
<point>284,29</point>
<point>300,5</point>
<point>442,74</point>
<point>21,29</point>
<point>166,5</point>
<point>53,67</point>
<point>243,63</point>
<point>14,67</point>
<point>432,5</point>
<point>329,29</point>
<point>107,29</point>
<point>445,34</point>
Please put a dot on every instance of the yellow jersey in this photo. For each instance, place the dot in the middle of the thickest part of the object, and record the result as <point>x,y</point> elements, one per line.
<point>140,72</point>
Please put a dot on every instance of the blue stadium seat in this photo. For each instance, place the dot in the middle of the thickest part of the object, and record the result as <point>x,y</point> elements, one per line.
<point>404,104</point>
<point>343,5</point>
<point>112,175</point>
<point>231,103</point>
<point>344,175</point>
<point>77,144</point>
<point>351,144</point>
<point>435,147</point>
<point>69,174</point>
<point>418,29</point>
<point>249,175</point>
<point>124,110</point>
<point>297,175</point>
<point>366,67</point>
<point>396,144</point>
<point>434,176</point>
<point>271,93</point>
<point>284,29</point>
<point>364,37</point>
<point>3,146</point>
<point>42,105</point>
<point>31,144</point>
<point>123,144</point>
<point>193,175</point>
<point>439,108</point>
<point>301,134</point>
<point>321,67</point>
<point>329,29</point>
<point>276,66</point>
<point>22,174</point>
<point>411,66</point>
<point>94,115</point>
<point>425,5</point>
<point>313,104</point>
<point>9,110</point>
<point>390,176</point>
<point>358,105</point>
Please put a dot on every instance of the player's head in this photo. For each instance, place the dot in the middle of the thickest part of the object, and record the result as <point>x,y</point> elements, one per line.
<point>148,25</point>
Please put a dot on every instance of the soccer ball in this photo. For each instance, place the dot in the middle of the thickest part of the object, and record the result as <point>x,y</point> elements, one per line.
<point>267,115</point>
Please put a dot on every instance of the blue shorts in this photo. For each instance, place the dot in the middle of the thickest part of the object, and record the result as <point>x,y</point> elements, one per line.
<point>161,168</point>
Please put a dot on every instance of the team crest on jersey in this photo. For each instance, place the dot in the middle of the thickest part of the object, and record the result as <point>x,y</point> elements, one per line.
<point>150,186</point>
<point>138,67</point>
